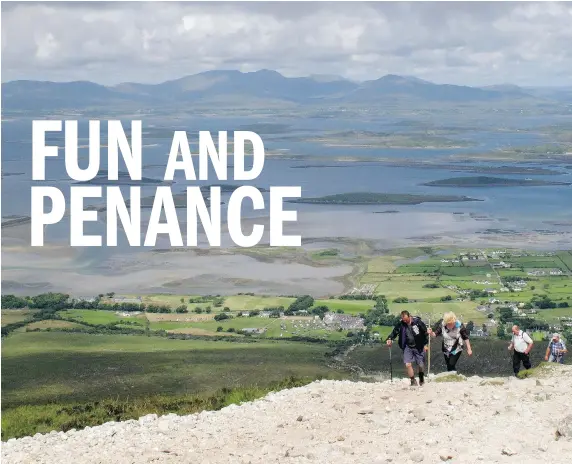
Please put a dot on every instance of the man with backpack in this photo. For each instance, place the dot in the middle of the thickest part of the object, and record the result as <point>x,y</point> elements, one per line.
<point>556,350</point>
<point>522,344</point>
<point>413,340</point>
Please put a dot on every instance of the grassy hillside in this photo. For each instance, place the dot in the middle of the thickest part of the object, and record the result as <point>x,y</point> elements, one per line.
<point>84,367</point>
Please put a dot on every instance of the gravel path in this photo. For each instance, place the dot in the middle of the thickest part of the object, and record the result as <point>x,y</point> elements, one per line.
<point>328,422</point>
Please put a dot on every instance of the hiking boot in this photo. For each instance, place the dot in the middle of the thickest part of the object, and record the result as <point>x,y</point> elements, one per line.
<point>421,378</point>
<point>413,382</point>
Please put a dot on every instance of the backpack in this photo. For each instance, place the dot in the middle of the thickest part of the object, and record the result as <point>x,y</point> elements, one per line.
<point>452,343</point>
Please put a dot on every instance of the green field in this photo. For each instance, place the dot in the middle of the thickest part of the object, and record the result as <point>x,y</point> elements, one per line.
<point>347,306</point>
<point>552,315</point>
<point>83,367</point>
<point>10,316</point>
<point>394,286</point>
<point>99,317</point>
<point>292,326</point>
<point>465,310</point>
<point>566,259</point>
<point>235,302</point>
<point>135,374</point>
<point>247,302</point>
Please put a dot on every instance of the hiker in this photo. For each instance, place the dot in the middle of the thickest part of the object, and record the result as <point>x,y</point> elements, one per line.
<point>522,344</point>
<point>556,350</point>
<point>454,335</point>
<point>413,340</point>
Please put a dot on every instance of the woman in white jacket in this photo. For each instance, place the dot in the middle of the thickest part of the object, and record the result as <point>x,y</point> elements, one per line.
<point>455,336</point>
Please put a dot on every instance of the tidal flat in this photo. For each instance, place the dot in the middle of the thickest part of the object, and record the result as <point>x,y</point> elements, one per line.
<point>355,234</point>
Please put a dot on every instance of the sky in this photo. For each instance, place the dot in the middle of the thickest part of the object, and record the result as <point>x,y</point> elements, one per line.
<point>468,43</point>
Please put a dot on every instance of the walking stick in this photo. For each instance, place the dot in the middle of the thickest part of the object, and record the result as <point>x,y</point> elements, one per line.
<point>429,353</point>
<point>390,363</point>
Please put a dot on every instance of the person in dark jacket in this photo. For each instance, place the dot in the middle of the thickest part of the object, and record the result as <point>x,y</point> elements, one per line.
<point>413,339</point>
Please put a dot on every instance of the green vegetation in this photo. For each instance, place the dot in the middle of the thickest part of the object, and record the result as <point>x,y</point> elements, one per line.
<point>112,359</point>
<point>330,253</point>
<point>450,378</point>
<point>11,316</point>
<point>351,307</point>
<point>31,419</point>
<point>95,317</point>
<point>365,198</point>
<point>542,370</point>
<point>83,367</point>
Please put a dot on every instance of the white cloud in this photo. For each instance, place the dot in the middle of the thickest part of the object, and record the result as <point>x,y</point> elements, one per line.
<point>469,43</point>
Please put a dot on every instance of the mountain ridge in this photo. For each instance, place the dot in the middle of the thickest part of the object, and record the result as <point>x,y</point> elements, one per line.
<point>216,85</point>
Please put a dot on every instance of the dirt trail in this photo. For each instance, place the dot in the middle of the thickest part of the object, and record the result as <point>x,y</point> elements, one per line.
<point>504,420</point>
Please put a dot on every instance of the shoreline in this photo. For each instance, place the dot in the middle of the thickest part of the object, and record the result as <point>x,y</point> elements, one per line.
<point>228,270</point>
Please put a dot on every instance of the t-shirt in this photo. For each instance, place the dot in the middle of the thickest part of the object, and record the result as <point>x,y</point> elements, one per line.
<point>521,341</point>
<point>408,335</point>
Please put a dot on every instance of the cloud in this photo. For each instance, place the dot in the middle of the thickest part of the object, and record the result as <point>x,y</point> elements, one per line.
<point>469,43</point>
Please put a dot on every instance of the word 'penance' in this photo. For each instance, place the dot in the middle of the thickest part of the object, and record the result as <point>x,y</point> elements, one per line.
<point>180,156</point>
<point>129,213</point>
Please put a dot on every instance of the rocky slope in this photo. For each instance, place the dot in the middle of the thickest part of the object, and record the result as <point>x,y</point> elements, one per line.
<point>472,421</point>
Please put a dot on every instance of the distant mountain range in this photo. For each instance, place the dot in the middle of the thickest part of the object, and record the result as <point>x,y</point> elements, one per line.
<point>264,85</point>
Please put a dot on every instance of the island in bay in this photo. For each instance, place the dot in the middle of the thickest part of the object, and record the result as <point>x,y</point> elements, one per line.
<point>368,198</point>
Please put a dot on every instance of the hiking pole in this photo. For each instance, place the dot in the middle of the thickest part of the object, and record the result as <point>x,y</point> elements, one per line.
<point>390,363</point>
<point>429,352</point>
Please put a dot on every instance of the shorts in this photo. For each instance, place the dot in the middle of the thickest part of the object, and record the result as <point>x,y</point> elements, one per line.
<point>556,359</point>
<point>413,355</point>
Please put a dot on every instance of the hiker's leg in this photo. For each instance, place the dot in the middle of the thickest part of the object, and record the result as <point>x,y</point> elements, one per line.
<point>420,360</point>
<point>409,370</point>
<point>515,362</point>
<point>408,359</point>
<point>451,366</point>
<point>448,362</point>
<point>526,361</point>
